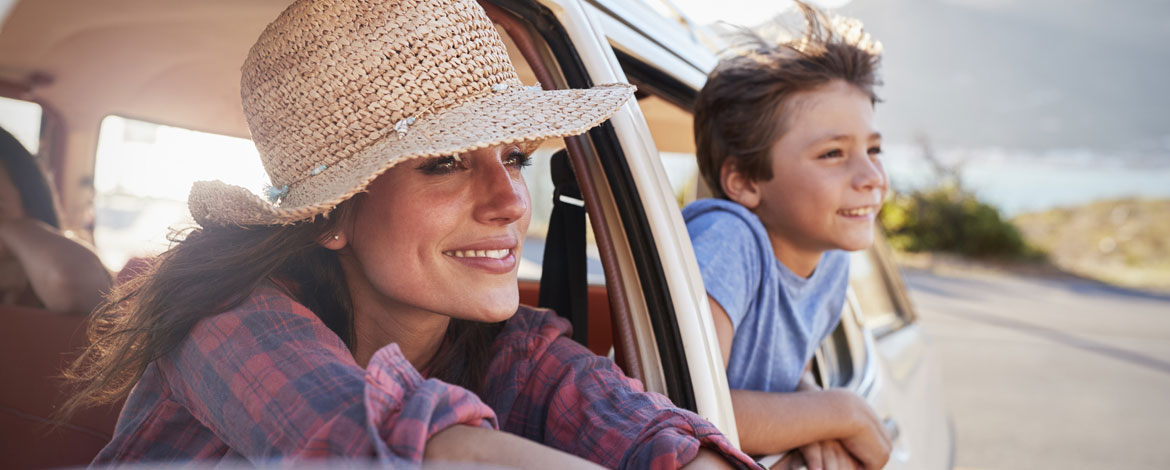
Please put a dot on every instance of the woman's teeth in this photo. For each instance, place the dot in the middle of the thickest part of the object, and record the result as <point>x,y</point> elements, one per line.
<point>858,212</point>
<point>494,254</point>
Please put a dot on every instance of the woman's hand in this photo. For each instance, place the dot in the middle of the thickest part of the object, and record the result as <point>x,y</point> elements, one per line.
<point>866,439</point>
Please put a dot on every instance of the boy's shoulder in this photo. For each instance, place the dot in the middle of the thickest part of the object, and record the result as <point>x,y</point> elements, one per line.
<point>721,214</point>
<point>727,230</point>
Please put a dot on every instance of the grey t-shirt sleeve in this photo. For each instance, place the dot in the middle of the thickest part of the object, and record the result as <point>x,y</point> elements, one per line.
<point>729,258</point>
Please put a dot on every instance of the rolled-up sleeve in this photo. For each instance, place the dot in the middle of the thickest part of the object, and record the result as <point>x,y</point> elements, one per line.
<point>550,389</point>
<point>273,382</point>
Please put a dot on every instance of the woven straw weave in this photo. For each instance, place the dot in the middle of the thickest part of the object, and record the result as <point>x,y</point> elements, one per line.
<point>327,81</point>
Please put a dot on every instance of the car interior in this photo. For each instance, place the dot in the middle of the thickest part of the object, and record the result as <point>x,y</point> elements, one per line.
<point>144,65</point>
<point>111,82</point>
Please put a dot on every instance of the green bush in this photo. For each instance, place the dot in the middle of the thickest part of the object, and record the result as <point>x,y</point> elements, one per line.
<point>947,218</point>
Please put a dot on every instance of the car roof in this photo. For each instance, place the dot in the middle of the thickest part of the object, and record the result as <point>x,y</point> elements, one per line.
<point>130,57</point>
<point>90,59</point>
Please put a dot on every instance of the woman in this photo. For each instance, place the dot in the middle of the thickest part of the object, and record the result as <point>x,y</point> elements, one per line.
<point>39,265</point>
<point>370,307</point>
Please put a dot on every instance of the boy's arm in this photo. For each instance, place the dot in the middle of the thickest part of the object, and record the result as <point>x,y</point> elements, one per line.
<point>823,454</point>
<point>775,422</point>
<point>724,330</point>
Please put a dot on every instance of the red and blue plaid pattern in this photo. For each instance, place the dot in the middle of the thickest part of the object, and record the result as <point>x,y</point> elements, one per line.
<point>268,381</point>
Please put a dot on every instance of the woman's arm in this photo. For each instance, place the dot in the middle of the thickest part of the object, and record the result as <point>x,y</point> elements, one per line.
<point>708,460</point>
<point>271,381</point>
<point>548,388</point>
<point>470,444</point>
<point>65,275</point>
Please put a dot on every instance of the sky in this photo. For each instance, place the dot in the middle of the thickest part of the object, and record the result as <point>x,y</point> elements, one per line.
<point>740,12</point>
<point>1042,102</point>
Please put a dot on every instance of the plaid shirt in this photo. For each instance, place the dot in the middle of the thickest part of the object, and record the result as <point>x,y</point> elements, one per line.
<point>268,381</point>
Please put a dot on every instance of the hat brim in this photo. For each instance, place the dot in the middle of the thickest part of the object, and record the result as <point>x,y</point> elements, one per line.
<point>518,115</point>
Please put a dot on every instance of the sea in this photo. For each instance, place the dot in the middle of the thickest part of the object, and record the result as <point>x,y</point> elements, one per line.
<point>1022,181</point>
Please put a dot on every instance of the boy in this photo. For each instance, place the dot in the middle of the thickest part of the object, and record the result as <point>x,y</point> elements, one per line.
<point>786,142</point>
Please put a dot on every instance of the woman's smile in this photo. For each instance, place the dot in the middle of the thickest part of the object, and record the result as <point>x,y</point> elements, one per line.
<point>458,254</point>
<point>496,255</point>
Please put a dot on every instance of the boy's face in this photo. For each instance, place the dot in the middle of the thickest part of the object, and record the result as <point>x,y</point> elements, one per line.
<point>827,179</point>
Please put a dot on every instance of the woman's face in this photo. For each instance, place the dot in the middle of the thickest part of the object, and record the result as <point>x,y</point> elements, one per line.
<point>441,235</point>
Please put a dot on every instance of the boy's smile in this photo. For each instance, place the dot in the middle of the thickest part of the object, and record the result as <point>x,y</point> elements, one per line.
<point>860,212</point>
<point>828,182</point>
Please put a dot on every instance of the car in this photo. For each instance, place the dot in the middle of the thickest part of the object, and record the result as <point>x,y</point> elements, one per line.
<point>127,102</point>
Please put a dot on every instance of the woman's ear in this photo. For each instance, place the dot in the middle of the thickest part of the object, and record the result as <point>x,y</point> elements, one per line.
<point>334,241</point>
<point>739,187</point>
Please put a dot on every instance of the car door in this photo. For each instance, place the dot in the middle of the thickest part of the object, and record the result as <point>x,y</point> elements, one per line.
<point>878,350</point>
<point>906,388</point>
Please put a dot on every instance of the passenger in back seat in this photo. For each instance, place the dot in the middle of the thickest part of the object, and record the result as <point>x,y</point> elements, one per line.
<point>369,308</point>
<point>40,266</point>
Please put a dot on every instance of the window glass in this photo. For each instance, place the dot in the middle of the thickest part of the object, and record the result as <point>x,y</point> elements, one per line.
<point>142,175</point>
<point>671,128</point>
<point>683,172</point>
<point>22,119</point>
<point>538,176</point>
<point>878,310</point>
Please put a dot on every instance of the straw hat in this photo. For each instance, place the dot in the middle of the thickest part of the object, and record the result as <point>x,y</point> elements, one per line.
<point>336,92</point>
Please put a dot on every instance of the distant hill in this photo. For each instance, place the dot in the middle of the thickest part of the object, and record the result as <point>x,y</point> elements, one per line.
<point>1122,241</point>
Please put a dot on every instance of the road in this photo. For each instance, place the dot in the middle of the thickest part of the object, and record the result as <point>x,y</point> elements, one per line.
<point>1045,373</point>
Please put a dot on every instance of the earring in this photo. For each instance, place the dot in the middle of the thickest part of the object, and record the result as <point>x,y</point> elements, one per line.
<point>337,237</point>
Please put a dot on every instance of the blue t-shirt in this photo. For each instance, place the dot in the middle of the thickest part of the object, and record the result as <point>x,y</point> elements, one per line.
<point>779,317</point>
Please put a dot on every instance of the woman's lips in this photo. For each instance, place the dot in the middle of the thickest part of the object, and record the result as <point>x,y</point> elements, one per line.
<point>494,254</point>
<point>495,261</point>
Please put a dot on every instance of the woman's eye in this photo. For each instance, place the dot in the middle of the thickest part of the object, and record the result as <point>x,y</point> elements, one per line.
<point>518,159</point>
<point>835,153</point>
<point>440,165</point>
<point>875,150</point>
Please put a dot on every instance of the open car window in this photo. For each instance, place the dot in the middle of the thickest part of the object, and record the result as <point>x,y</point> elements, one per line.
<point>880,300</point>
<point>142,174</point>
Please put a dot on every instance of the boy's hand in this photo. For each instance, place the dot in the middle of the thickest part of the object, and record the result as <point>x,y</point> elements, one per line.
<point>828,455</point>
<point>868,441</point>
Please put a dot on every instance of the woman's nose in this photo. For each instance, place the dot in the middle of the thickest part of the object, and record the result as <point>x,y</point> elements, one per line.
<point>502,195</point>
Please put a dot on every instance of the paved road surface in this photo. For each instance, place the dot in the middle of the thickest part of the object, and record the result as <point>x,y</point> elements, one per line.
<point>1042,373</point>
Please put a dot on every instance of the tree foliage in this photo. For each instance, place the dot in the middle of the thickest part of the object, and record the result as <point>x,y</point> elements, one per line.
<point>950,219</point>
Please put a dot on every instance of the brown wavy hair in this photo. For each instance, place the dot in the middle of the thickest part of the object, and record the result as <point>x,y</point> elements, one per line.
<point>743,108</point>
<point>214,269</point>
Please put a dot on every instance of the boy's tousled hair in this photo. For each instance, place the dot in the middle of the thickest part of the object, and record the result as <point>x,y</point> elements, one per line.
<point>743,108</point>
